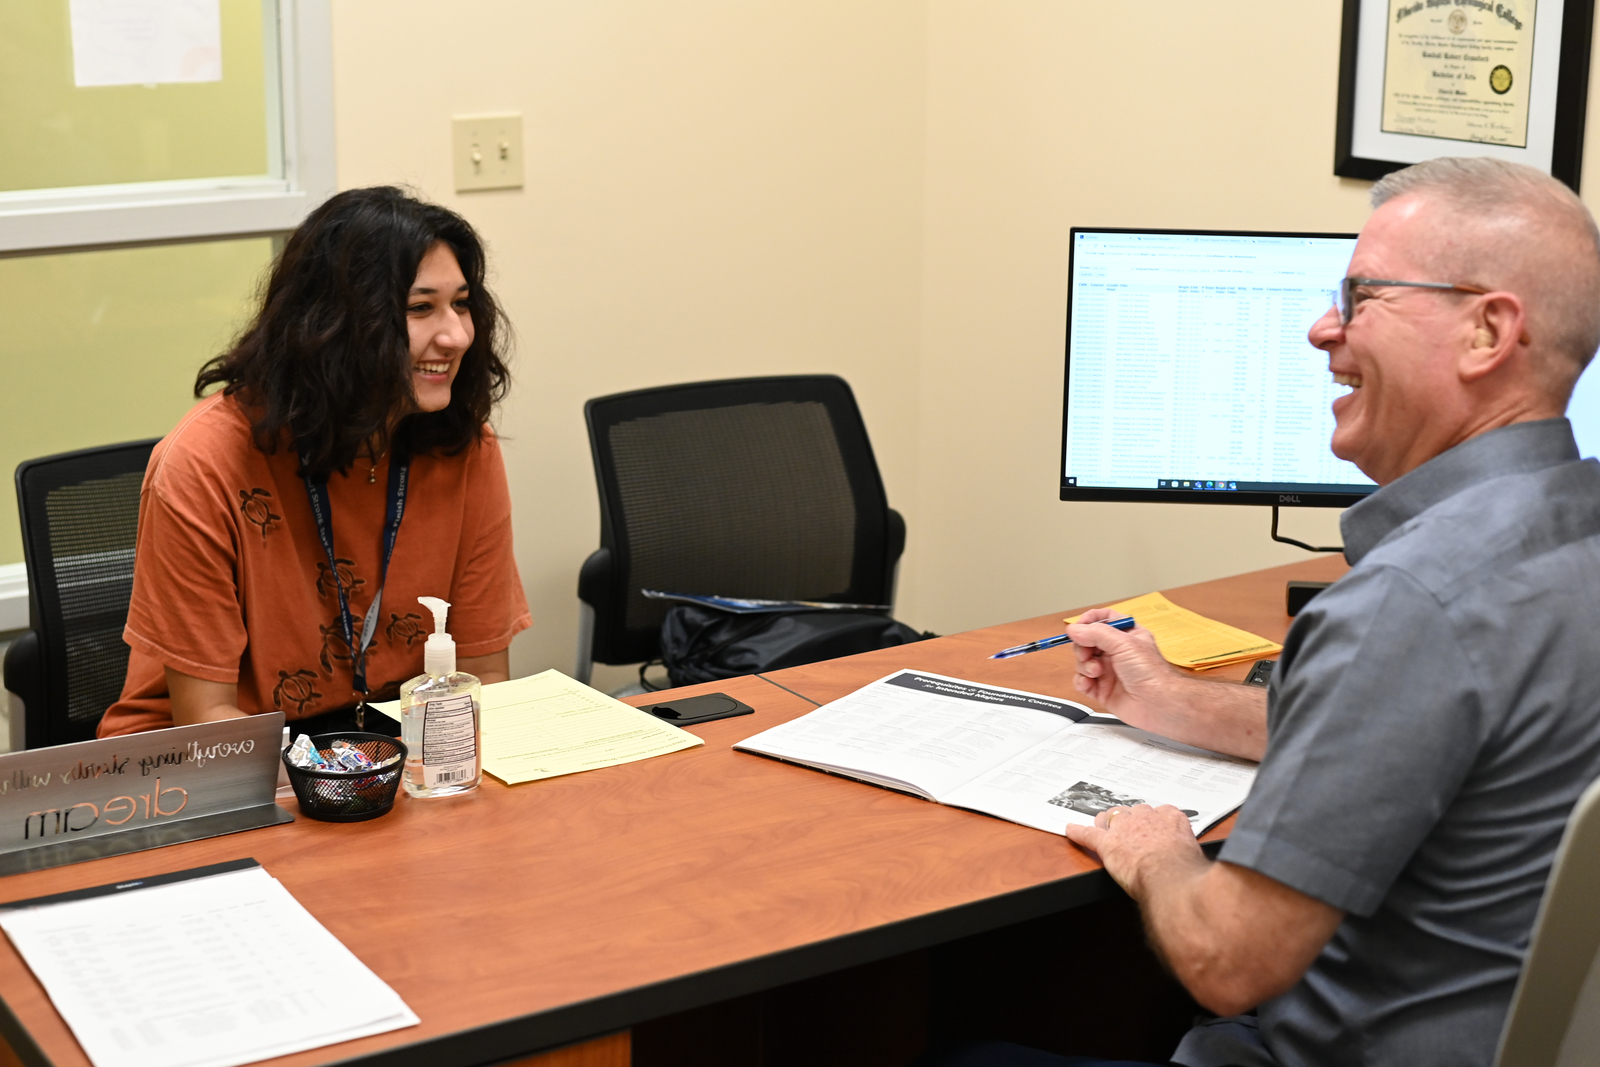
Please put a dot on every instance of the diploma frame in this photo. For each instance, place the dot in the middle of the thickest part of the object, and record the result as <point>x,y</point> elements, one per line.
<point>1560,90</point>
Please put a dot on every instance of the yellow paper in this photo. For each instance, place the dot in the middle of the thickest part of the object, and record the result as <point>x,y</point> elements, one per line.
<point>1191,640</point>
<point>547,725</point>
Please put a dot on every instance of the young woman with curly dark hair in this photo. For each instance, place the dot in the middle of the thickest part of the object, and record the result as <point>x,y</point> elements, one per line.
<point>345,467</point>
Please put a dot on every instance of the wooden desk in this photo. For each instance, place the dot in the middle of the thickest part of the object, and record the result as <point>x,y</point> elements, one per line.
<point>519,919</point>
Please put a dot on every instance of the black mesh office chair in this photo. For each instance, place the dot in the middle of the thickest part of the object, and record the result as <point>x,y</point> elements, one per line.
<point>757,487</point>
<point>80,517</point>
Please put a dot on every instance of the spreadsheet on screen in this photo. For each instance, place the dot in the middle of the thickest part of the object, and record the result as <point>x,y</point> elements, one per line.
<point>1188,365</point>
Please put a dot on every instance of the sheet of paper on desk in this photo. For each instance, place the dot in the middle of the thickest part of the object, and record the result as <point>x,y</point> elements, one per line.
<point>547,725</point>
<point>1034,759</point>
<point>212,972</point>
<point>1192,640</point>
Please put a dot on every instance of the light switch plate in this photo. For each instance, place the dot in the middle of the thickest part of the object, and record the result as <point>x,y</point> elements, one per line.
<point>487,151</point>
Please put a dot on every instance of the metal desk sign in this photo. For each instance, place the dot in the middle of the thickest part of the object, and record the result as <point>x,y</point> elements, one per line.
<point>92,799</point>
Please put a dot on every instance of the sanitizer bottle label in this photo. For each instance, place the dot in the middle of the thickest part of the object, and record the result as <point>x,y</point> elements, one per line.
<point>449,741</point>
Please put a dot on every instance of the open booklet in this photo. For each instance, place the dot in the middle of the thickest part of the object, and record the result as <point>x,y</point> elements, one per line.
<point>1035,760</point>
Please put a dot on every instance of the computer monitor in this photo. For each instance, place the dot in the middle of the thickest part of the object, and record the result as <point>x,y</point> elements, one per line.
<point>1189,376</point>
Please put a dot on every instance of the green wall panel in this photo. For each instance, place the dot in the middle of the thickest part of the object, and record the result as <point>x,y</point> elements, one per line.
<point>101,347</point>
<point>54,134</point>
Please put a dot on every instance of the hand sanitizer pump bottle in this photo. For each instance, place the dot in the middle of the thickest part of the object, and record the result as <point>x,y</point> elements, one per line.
<point>439,718</point>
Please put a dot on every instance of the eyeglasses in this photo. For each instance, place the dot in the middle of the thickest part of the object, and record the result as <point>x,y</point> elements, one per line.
<point>1346,299</point>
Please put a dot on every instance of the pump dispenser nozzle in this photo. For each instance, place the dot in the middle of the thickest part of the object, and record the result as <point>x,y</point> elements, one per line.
<point>439,654</point>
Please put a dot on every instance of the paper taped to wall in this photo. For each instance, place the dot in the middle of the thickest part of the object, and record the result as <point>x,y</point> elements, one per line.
<point>145,42</point>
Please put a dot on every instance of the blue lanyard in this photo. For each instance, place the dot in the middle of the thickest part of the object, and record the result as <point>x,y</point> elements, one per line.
<point>394,511</point>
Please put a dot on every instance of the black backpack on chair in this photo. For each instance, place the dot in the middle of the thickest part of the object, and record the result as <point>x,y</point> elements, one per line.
<point>703,644</point>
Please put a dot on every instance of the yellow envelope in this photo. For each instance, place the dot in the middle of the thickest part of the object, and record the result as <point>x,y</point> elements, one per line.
<point>1191,640</point>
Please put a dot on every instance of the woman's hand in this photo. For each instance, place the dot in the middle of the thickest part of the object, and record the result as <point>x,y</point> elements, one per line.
<point>197,700</point>
<point>495,667</point>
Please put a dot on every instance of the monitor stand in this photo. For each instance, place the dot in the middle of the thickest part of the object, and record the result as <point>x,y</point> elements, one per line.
<point>1299,593</point>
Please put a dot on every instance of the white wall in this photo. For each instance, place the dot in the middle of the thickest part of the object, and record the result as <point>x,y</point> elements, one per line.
<point>1042,116</point>
<point>876,188</point>
<point>714,189</point>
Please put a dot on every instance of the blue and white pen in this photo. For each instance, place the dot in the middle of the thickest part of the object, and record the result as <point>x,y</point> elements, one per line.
<point>1124,623</point>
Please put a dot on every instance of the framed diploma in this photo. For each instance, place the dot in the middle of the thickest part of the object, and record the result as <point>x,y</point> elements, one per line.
<point>1420,79</point>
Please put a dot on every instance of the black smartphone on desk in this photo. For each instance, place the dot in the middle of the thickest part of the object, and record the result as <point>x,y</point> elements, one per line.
<point>686,711</point>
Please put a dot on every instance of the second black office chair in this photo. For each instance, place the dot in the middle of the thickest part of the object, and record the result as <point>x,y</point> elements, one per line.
<point>755,487</point>
<point>80,518</point>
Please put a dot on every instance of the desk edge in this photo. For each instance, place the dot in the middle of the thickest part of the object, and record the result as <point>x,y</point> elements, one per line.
<point>527,1034</point>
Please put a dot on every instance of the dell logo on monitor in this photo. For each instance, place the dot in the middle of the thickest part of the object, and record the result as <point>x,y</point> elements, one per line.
<point>1288,498</point>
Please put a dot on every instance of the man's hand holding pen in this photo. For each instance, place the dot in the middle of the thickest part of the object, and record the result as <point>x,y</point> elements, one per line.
<point>1126,674</point>
<point>1119,670</point>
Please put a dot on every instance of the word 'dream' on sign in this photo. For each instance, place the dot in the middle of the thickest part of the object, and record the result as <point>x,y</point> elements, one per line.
<point>85,790</point>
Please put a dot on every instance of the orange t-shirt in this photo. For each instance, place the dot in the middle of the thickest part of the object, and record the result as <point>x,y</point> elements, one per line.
<point>231,582</point>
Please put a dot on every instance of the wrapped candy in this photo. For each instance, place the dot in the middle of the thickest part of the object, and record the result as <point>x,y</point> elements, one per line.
<point>304,754</point>
<point>350,757</point>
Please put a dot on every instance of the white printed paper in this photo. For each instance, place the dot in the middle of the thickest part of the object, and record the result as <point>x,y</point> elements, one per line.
<point>1037,760</point>
<point>1088,769</point>
<point>145,42</point>
<point>919,742</point>
<point>214,972</point>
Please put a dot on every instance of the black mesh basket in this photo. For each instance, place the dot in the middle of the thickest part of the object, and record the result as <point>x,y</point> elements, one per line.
<point>349,796</point>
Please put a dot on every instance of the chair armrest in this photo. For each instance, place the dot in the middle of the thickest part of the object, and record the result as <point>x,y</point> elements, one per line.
<point>595,579</point>
<point>24,676</point>
<point>600,587</point>
<point>897,537</point>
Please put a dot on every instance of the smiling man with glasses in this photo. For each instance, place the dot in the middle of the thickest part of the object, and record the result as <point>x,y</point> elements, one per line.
<point>1432,363</point>
<point>1436,712</point>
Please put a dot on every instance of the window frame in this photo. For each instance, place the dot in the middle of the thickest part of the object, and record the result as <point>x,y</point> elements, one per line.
<point>79,217</point>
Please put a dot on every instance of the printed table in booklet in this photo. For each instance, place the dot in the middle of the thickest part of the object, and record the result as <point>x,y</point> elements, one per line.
<point>1037,760</point>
